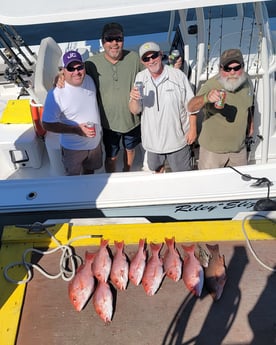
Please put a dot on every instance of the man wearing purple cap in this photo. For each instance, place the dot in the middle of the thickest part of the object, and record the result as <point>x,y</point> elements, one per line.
<point>73,112</point>
<point>226,124</point>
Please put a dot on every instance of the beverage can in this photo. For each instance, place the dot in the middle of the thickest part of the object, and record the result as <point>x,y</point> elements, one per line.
<point>91,125</point>
<point>220,103</point>
<point>173,57</point>
<point>140,87</point>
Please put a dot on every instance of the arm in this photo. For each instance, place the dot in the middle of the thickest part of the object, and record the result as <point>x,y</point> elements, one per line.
<point>58,127</point>
<point>198,102</point>
<point>192,133</point>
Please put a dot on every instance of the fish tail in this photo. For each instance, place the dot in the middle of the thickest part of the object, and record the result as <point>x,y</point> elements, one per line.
<point>104,242</point>
<point>170,241</point>
<point>142,242</point>
<point>119,245</point>
<point>156,247</point>
<point>89,256</point>
<point>188,248</point>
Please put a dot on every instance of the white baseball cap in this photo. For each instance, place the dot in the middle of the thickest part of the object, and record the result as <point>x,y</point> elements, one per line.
<point>148,47</point>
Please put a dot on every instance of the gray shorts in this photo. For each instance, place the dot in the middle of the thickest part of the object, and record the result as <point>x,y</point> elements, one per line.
<point>178,161</point>
<point>212,160</point>
<point>77,162</point>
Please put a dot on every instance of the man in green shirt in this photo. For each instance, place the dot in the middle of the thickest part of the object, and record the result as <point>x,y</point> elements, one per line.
<point>114,72</point>
<point>225,127</point>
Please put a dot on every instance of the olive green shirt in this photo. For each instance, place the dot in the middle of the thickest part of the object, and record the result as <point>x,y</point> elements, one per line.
<point>224,130</point>
<point>114,82</point>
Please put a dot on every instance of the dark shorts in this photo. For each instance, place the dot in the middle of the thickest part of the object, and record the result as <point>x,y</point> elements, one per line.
<point>112,140</point>
<point>76,161</point>
<point>178,161</point>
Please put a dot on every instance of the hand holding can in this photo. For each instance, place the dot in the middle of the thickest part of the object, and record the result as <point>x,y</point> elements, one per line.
<point>92,128</point>
<point>220,103</point>
<point>173,57</point>
<point>140,86</point>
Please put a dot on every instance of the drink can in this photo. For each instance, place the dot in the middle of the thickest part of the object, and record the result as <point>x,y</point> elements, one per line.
<point>175,53</point>
<point>173,56</point>
<point>140,87</point>
<point>220,103</point>
<point>91,125</point>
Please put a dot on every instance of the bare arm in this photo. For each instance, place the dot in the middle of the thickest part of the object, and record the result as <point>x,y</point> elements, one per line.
<point>192,133</point>
<point>198,102</point>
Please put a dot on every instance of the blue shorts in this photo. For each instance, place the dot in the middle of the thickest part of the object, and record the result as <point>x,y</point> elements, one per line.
<point>112,140</point>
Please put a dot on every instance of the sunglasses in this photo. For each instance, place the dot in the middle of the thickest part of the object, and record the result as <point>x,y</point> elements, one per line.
<point>229,69</point>
<point>153,57</point>
<point>113,38</point>
<point>73,69</point>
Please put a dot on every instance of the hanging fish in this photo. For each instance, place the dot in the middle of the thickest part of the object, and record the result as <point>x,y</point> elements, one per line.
<point>103,301</point>
<point>193,275</point>
<point>215,273</point>
<point>172,261</point>
<point>102,262</point>
<point>138,264</point>
<point>81,287</point>
<point>202,255</point>
<point>154,272</point>
<point>120,267</point>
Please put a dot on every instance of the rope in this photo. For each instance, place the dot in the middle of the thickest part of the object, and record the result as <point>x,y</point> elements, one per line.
<point>67,264</point>
<point>250,245</point>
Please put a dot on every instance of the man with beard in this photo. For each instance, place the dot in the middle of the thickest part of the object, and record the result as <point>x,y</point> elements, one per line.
<point>224,131</point>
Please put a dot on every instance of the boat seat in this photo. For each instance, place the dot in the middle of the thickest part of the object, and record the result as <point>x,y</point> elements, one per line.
<point>47,68</point>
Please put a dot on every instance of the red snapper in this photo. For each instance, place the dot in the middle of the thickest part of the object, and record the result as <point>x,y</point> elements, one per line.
<point>138,264</point>
<point>154,272</point>
<point>81,287</point>
<point>193,275</point>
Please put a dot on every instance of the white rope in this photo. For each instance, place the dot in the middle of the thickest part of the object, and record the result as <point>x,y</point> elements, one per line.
<point>249,243</point>
<point>67,259</point>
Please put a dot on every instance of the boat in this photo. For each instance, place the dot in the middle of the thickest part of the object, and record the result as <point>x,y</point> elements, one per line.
<point>32,179</point>
<point>41,208</point>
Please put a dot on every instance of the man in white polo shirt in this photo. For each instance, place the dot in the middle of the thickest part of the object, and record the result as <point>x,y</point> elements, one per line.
<point>73,112</point>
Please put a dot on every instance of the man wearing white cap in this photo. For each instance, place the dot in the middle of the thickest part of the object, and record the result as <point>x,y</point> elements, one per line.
<point>167,128</point>
<point>70,111</point>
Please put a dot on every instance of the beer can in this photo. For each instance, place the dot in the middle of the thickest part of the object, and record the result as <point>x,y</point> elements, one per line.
<point>173,57</point>
<point>220,103</point>
<point>91,125</point>
<point>140,87</point>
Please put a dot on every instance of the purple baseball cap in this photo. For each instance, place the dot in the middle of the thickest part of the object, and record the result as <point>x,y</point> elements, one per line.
<point>71,56</point>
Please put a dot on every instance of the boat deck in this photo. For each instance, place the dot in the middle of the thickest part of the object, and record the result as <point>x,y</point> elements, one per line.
<point>245,314</point>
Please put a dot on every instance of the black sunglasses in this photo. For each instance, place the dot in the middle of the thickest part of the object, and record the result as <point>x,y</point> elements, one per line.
<point>229,69</point>
<point>153,56</point>
<point>73,69</point>
<point>113,38</point>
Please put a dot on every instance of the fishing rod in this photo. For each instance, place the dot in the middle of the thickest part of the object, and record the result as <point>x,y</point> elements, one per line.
<point>14,42</point>
<point>5,44</point>
<point>20,40</point>
<point>208,43</point>
<point>221,30</point>
<point>12,73</point>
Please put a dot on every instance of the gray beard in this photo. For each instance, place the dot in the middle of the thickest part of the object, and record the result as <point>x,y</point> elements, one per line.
<point>232,84</point>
